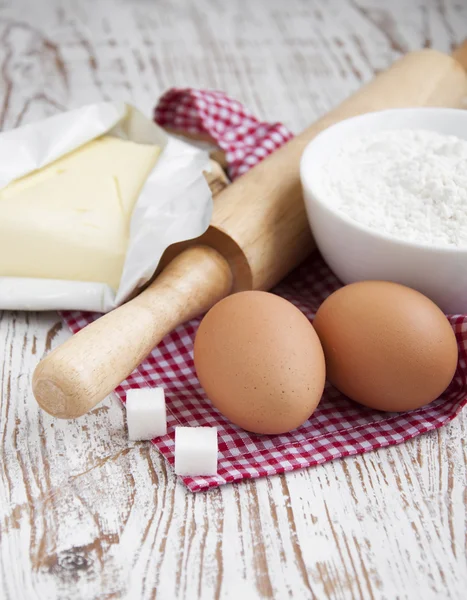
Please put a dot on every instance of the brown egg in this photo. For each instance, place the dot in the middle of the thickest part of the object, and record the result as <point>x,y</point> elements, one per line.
<point>386,346</point>
<point>260,362</point>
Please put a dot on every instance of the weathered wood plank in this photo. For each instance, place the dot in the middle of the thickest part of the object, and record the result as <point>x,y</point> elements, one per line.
<point>84,514</point>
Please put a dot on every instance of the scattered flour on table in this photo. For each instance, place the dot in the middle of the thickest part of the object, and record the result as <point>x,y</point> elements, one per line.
<point>410,184</point>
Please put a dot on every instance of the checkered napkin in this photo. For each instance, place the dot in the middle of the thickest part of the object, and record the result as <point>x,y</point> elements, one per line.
<point>338,427</point>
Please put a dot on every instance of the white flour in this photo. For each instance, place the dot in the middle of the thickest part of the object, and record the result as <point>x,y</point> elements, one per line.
<point>411,184</point>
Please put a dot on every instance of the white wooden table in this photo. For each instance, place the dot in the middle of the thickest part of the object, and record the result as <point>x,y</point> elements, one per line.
<point>86,515</point>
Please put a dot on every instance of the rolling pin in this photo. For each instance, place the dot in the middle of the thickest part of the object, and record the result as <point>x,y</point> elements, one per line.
<point>259,232</point>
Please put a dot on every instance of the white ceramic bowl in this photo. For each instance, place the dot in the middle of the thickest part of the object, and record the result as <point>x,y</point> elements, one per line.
<point>355,252</point>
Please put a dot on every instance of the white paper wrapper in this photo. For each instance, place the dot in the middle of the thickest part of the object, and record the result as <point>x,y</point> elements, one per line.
<point>175,203</point>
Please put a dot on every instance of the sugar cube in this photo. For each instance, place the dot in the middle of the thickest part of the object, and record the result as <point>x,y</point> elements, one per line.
<point>145,413</point>
<point>195,451</point>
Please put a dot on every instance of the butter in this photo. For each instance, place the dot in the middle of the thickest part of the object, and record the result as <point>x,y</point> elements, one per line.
<point>70,220</point>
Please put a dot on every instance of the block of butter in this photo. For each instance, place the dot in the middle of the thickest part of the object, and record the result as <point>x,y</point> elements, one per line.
<point>90,199</point>
<point>71,219</point>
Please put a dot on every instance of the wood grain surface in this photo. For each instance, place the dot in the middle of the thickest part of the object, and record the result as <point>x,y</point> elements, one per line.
<point>86,515</point>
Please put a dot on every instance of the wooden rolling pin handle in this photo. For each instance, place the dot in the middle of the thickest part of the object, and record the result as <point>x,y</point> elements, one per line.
<point>80,373</point>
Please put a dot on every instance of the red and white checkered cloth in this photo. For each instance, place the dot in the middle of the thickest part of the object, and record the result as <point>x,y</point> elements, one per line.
<point>338,427</point>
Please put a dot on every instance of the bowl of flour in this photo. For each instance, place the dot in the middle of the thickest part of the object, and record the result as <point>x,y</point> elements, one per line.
<point>386,197</point>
